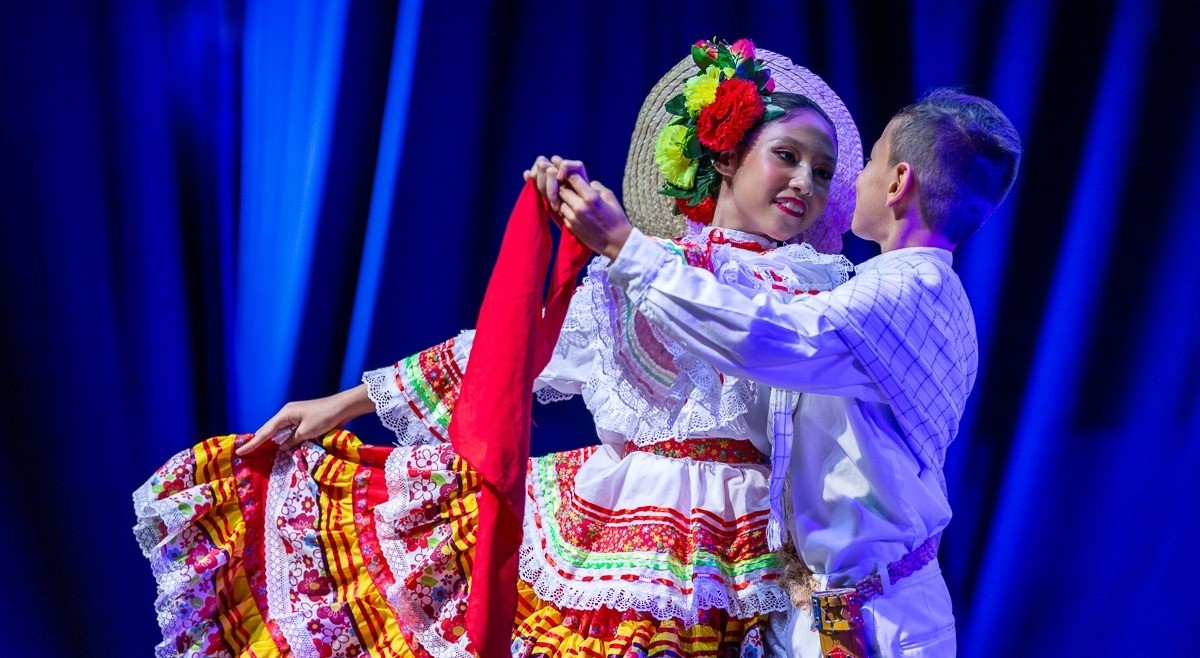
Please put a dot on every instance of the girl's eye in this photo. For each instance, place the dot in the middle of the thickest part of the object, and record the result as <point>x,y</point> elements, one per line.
<point>824,173</point>
<point>786,156</point>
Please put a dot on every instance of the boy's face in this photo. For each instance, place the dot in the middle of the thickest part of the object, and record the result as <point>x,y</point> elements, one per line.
<point>870,210</point>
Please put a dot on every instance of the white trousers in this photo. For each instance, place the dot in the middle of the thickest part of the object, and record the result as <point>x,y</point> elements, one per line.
<point>914,620</point>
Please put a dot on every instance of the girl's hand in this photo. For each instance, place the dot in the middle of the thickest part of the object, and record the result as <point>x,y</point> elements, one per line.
<point>549,174</point>
<point>592,213</point>
<point>305,420</point>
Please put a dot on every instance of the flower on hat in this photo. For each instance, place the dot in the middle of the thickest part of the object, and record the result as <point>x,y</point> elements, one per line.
<point>700,90</point>
<point>736,107</point>
<point>717,107</point>
<point>701,212</point>
<point>677,168</point>
<point>743,48</point>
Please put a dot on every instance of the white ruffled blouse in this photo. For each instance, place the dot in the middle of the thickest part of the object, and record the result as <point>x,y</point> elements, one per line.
<point>643,389</point>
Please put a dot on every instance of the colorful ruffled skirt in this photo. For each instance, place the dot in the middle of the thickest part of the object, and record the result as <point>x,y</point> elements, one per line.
<point>346,549</point>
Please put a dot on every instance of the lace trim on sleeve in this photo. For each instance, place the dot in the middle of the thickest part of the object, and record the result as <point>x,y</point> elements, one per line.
<point>577,336</point>
<point>415,397</point>
<point>550,395</point>
<point>391,405</point>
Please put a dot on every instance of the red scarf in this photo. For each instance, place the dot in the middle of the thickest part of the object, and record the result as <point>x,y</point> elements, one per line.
<point>490,426</point>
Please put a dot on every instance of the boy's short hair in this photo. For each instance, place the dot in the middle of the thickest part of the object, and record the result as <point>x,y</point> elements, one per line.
<point>965,155</point>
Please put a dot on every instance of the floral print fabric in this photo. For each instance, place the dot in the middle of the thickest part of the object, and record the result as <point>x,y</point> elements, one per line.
<point>342,549</point>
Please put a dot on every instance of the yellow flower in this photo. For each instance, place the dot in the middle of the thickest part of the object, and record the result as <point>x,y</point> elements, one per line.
<point>700,90</point>
<point>678,169</point>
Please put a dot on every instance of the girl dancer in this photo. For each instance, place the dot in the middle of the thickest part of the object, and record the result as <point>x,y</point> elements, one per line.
<point>654,542</point>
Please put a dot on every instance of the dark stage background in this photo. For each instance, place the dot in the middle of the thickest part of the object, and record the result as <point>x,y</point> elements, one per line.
<point>209,208</point>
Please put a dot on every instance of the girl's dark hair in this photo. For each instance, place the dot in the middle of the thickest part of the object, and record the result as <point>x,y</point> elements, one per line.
<point>791,102</point>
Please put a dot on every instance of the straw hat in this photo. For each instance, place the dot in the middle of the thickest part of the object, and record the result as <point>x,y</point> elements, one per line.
<point>653,212</point>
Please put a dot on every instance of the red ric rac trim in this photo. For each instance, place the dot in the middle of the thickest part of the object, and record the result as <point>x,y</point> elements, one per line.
<point>700,255</point>
<point>674,535</point>
<point>718,237</point>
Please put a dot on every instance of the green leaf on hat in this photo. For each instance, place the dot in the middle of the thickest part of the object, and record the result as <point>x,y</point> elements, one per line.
<point>692,148</point>
<point>674,192</point>
<point>700,57</point>
<point>772,112</point>
<point>705,179</point>
<point>677,106</point>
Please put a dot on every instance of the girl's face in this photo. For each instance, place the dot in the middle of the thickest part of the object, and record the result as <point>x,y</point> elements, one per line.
<point>777,185</point>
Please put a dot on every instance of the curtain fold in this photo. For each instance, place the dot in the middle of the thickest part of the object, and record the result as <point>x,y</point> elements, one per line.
<point>1017,535</point>
<point>383,191</point>
<point>1015,80</point>
<point>291,74</point>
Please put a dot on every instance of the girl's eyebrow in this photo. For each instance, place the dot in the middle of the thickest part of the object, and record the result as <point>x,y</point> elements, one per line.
<point>827,152</point>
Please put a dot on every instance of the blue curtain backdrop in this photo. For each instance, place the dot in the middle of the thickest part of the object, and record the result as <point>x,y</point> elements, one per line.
<point>211,208</point>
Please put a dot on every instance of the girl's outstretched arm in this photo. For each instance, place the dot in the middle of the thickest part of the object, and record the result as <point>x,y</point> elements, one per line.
<point>303,420</point>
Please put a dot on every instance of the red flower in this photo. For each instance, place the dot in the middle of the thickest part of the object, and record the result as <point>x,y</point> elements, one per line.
<point>723,123</point>
<point>701,212</point>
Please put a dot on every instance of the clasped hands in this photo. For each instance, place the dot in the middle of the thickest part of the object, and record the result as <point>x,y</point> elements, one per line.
<point>589,210</point>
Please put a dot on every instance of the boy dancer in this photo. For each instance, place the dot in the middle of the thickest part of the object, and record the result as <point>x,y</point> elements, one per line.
<point>882,364</point>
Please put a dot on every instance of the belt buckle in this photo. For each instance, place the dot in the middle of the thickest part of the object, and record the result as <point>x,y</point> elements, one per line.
<point>837,610</point>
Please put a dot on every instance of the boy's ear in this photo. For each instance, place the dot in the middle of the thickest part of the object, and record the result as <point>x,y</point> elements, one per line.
<point>726,162</point>
<point>902,185</point>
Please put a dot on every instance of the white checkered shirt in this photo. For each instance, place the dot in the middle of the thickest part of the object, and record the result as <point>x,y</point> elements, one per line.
<point>883,363</point>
